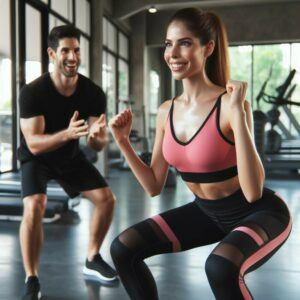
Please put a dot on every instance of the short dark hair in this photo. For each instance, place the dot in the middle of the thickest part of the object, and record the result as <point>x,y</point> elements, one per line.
<point>59,32</point>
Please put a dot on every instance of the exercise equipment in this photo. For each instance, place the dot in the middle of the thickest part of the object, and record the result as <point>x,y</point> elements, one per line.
<point>11,206</point>
<point>276,153</point>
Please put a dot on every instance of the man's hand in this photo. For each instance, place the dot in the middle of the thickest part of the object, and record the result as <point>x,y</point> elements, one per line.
<point>97,137</point>
<point>77,128</point>
<point>98,128</point>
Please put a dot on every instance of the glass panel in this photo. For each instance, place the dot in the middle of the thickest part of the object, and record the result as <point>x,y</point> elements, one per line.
<point>109,83</point>
<point>240,66</point>
<point>265,57</point>
<point>83,15</point>
<point>277,57</point>
<point>104,71</point>
<point>63,7</point>
<point>84,68</point>
<point>104,31</point>
<point>123,45</point>
<point>112,37</point>
<point>5,88</point>
<point>33,64</point>
<point>53,22</point>
<point>296,80</point>
<point>123,88</point>
<point>153,102</point>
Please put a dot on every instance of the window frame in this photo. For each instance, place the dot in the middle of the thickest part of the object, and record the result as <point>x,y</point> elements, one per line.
<point>117,56</point>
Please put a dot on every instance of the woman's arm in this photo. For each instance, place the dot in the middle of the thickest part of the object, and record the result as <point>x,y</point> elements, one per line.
<point>250,168</point>
<point>153,177</point>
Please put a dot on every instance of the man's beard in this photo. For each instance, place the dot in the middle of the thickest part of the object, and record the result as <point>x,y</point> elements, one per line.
<point>69,73</point>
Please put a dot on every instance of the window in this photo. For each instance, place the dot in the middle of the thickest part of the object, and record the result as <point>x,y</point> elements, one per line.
<point>104,31</point>
<point>63,7</point>
<point>295,64</point>
<point>85,57</point>
<point>276,57</point>
<point>240,63</point>
<point>5,88</point>
<point>115,76</point>
<point>53,22</point>
<point>123,82</point>
<point>123,45</point>
<point>153,102</point>
<point>111,37</point>
<point>33,65</point>
<point>109,82</point>
<point>83,15</point>
<point>253,64</point>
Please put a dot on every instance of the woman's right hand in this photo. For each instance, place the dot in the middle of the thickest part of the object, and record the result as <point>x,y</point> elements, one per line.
<point>120,125</point>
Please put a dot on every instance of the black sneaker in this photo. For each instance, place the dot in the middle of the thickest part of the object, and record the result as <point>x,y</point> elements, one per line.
<point>32,289</point>
<point>100,269</point>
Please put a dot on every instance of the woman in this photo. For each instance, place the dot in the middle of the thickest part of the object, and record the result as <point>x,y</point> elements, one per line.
<point>218,161</point>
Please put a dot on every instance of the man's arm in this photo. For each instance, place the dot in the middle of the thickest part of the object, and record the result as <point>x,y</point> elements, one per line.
<point>39,142</point>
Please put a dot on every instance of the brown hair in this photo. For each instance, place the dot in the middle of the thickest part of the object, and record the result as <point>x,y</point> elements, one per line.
<point>208,26</point>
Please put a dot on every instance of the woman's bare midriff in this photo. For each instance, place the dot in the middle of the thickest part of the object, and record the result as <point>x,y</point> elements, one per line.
<point>215,190</point>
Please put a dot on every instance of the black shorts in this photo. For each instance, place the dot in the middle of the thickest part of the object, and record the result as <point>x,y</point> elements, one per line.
<point>74,176</point>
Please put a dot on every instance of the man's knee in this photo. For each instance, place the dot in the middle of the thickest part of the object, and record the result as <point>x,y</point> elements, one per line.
<point>104,197</point>
<point>35,205</point>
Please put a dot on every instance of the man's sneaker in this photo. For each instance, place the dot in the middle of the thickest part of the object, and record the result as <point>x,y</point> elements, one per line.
<point>100,269</point>
<point>32,289</point>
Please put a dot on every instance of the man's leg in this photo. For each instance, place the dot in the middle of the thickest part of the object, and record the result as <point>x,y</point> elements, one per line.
<point>31,232</point>
<point>104,201</point>
<point>34,184</point>
<point>80,176</point>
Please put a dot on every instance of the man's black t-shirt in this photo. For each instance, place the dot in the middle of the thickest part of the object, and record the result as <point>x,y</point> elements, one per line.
<point>40,98</point>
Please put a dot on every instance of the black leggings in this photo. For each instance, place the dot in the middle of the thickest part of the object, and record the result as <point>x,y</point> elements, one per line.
<point>248,235</point>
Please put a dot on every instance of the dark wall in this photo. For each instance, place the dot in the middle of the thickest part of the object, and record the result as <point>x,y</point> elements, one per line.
<point>245,24</point>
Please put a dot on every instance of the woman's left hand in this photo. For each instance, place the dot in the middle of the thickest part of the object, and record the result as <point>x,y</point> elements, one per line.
<point>237,92</point>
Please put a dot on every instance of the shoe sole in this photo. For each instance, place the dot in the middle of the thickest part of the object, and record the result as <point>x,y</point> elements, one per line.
<point>39,295</point>
<point>90,272</point>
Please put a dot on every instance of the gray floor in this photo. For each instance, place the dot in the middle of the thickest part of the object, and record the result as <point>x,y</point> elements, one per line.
<point>179,276</point>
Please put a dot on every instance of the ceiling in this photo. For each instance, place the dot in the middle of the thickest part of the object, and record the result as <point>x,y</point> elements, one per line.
<point>125,9</point>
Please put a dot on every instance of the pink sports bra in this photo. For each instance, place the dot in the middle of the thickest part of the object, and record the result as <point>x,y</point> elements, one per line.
<point>207,157</point>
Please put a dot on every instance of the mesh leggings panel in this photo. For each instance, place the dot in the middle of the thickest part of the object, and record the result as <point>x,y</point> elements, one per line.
<point>244,249</point>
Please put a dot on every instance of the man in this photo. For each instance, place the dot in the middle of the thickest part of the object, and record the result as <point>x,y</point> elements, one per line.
<point>54,109</point>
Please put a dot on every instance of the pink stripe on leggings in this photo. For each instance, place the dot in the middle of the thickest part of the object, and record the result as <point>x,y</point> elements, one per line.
<point>168,232</point>
<point>259,241</point>
<point>261,253</point>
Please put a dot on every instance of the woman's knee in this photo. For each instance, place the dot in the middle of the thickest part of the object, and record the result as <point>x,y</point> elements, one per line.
<point>119,252</point>
<point>220,270</point>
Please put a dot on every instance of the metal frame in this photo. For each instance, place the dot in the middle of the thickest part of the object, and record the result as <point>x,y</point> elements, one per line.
<point>14,84</point>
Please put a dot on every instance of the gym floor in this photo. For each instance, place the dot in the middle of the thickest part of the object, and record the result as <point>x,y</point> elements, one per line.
<point>179,276</point>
